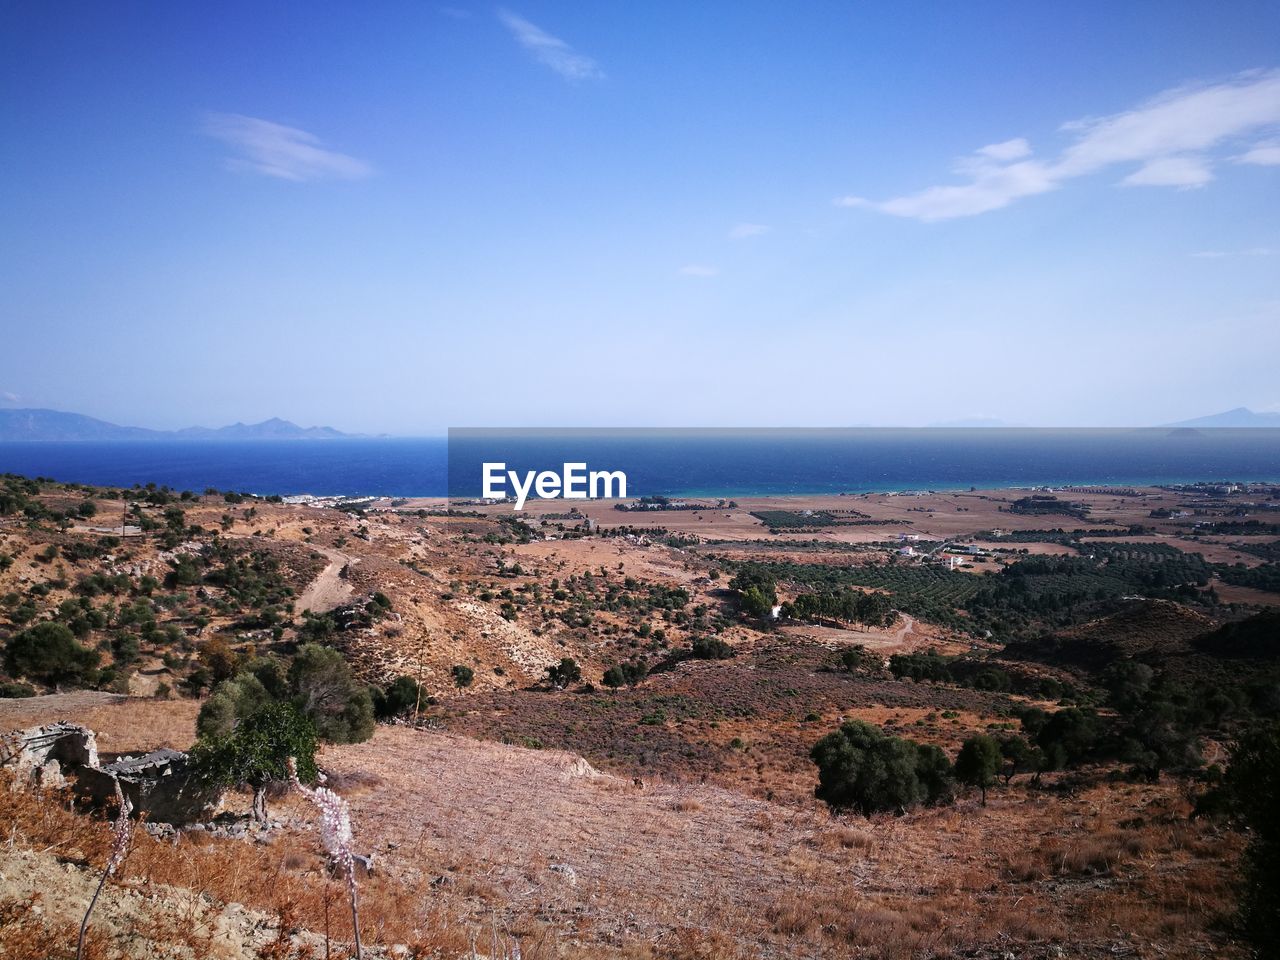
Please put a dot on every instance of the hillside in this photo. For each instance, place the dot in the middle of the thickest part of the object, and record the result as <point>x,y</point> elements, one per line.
<point>1147,630</point>
<point>1257,638</point>
<point>521,786</point>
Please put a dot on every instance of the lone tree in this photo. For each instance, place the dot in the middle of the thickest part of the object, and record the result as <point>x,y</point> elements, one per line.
<point>757,590</point>
<point>979,762</point>
<point>862,767</point>
<point>854,658</point>
<point>257,750</point>
<point>50,653</point>
<point>1019,756</point>
<point>1068,736</point>
<point>463,675</point>
<point>565,672</point>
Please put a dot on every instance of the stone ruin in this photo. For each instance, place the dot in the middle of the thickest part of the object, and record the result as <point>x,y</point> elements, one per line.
<point>42,755</point>
<point>158,784</point>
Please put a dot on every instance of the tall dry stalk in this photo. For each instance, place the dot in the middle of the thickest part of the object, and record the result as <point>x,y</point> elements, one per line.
<point>121,833</point>
<point>335,836</point>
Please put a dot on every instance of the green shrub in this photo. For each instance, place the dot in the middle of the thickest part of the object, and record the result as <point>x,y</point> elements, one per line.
<point>863,768</point>
<point>50,653</point>
<point>625,674</point>
<point>1253,783</point>
<point>325,689</point>
<point>564,673</point>
<point>711,648</point>
<point>399,696</point>
<point>232,700</point>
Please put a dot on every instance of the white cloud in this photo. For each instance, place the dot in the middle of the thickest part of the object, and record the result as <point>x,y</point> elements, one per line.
<point>1168,137</point>
<point>1009,150</point>
<point>744,231</point>
<point>1265,154</point>
<point>275,150</point>
<point>991,185</point>
<point>8,397</point>
<point>698,270</point>
<point>1183,172</point>
<point>550,51</point>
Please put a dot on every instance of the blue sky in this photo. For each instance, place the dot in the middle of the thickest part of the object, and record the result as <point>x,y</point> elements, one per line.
<point>398,217</point>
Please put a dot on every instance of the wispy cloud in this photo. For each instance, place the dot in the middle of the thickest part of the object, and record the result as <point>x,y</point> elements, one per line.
<point>698,270</point>
<point>745,231</point>
<point>549,50</point>
<point>1186,173</point>
<point>9,397</point>
<point>1007,151</point>
<point>274,150</point>
<point>1265,154</point>
<point>1171,139</point>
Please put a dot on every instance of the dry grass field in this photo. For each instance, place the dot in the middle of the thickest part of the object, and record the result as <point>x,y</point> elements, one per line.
<point>673,816</point>
<point>574,862</point>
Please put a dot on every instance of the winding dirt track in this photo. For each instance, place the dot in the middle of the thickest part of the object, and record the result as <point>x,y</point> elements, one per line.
<point>330,589</point>
<point>908,626</point>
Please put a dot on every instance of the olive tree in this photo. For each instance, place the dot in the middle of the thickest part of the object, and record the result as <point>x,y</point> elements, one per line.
<point>863,768</point>
<point>257,750</point>
<point>979,762</point>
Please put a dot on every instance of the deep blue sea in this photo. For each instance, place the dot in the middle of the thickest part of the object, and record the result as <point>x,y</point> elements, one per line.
<point>673,462</point>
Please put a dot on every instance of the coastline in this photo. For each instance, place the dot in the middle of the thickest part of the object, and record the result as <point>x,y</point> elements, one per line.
<point>891,462</point>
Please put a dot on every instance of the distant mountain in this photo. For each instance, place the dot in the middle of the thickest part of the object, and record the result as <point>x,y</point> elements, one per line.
<point>273,429</point>
<point>56,425</point>
<point>1239,417</point>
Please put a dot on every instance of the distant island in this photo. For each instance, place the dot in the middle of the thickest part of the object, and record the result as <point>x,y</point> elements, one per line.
<point>1239,417</point>
<point>55,425</point>
<point>34,424</point>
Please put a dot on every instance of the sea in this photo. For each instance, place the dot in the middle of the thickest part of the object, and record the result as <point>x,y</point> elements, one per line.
<point>682,462</point>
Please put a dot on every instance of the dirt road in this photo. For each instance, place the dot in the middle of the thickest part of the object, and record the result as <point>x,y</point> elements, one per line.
<point>330,589</point>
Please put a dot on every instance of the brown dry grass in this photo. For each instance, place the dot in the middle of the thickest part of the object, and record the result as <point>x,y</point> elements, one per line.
<point>791,881</point>
<point>122,724</point>
<point>284,878</point>
<point>466,836</point>
<point>30,934</point>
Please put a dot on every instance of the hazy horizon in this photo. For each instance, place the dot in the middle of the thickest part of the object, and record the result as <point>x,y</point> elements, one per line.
<point>711,428</point>
<point>393,222</point>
